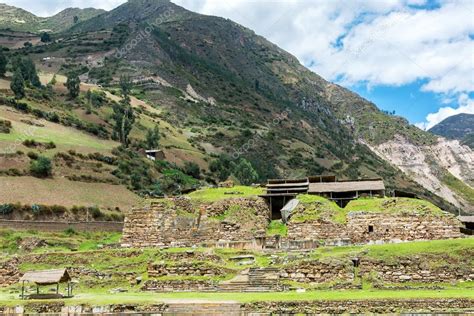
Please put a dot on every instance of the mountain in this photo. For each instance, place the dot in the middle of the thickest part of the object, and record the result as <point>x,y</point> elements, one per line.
<point>225,89</point>
<point>460,127</point>
<point>17,19</point>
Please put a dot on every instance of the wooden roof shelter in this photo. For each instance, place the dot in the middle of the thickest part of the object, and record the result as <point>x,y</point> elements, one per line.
<point>47,277</point>
<point>346,186</point>
<point>281,191</point>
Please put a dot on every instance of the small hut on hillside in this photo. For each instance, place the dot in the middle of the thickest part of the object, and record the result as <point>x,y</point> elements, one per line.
<point>44,278</point>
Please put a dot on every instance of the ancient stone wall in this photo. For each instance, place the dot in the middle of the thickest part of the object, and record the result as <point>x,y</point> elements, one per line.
<point>9,272</point>
<point>179,285</point>
<point>365,227</point>
<point>347,306</point>
<point>425,270</point>
<point>318,271</point>
<point>195,268</point>
<point>319,229</point>
<point>355,306</point>
<point>176,222</point>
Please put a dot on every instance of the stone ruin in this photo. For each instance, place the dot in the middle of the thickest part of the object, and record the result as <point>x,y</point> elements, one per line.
<point>178,222</point>
<point>242,222</point>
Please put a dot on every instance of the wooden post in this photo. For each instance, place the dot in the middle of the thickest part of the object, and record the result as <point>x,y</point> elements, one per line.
<point>271,206</point>
<point>57,288</point>
<point>23,290</point>
<point>37,289</point>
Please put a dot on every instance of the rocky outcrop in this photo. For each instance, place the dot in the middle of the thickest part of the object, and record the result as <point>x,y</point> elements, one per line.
<point>428,164</point>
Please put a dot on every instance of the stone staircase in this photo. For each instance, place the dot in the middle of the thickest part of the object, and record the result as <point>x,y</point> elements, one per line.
<point>253,280</point>
<point>204,308</point>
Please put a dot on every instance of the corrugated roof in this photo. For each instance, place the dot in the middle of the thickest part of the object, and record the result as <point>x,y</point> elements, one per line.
<point>346,186</point>
<point>46,277</point>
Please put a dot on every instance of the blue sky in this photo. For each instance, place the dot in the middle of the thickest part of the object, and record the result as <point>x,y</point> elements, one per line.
<point>411,56</point>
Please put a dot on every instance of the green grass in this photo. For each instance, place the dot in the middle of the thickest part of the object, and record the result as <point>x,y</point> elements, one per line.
<point>459,187</point>
<point>57,241</point>
<point>217,194</point>
<point>277,227</point>
<point>391,205</point>
<point>316,207</point>
<point>60,135</point>
<point>98,299</point>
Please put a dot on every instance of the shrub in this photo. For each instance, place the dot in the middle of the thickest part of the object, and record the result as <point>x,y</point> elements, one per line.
<point>95,212</point>
<point>30,143</point>
<point>50,145</point>
<point>41,167</point>
<point>70,231</point>
<point>5,126</point>
<point>192,169</point>
<point>32,155</point>
<point>6,209</point>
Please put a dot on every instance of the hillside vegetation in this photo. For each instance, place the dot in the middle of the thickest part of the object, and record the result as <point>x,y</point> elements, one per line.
<point>220,101</point>
<point>17,19</point>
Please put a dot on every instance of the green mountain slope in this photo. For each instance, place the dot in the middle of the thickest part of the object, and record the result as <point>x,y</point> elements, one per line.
<point>17,19</point>
<point>228,90</point>
<point>460,127</point>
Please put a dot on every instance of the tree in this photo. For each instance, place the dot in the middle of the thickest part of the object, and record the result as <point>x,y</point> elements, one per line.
<point>3,63</point>
<point>73,85</point>
<point>222,167</point>
<point>41,167</point>
<point>124,119</point>
<point>76,19</point>
<point>28,70</point>
<point>192,169</point>
<point>123,112</point>
<point>245,173</point>
<point>125,85</point>
<point>153,138</point>
<point>45,37</point>
<point>18,84</point>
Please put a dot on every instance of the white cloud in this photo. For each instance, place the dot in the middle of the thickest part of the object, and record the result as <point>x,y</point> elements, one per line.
<point>466,105</point>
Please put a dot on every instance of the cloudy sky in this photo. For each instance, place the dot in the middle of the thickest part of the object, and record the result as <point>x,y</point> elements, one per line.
<point>415,57</point>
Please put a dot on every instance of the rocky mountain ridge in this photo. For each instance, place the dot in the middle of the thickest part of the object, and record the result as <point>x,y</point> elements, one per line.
<point>460,127</point>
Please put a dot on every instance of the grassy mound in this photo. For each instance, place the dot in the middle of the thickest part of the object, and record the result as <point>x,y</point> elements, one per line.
<point>313,207</point>
<point>217,194</point>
